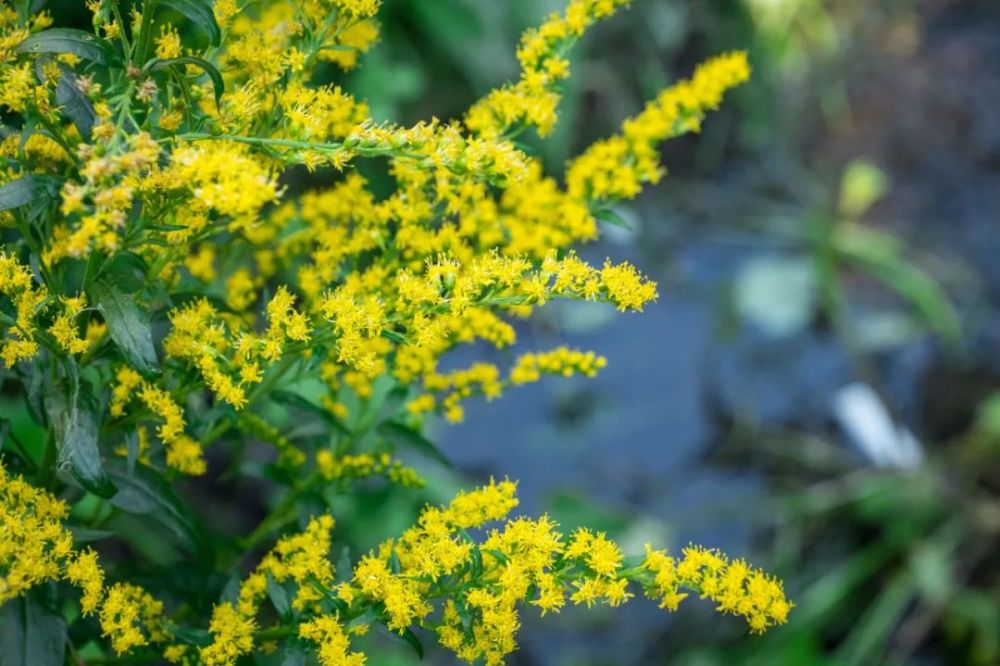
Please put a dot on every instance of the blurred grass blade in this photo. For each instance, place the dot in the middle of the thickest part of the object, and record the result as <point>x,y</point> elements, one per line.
<point>883,256</point>
<point>865,643</point>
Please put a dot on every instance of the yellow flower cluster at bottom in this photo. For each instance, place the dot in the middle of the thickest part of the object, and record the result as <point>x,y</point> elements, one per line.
<point>37,548</point>
<point>435,575</point>
<point>477,586</point>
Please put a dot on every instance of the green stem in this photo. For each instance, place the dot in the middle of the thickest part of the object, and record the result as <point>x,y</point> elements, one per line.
<point>332,147</point>
<point>272,633</point>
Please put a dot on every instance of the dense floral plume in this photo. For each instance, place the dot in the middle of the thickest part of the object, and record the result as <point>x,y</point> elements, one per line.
<point>161,291</point>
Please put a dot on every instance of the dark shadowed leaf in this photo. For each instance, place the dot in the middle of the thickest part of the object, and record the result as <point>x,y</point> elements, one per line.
<point>74,104</point>
<point>21,191</point>
<point>301,403</point>
<point>88,534</point>
<point>279,597</point>
<point>157,64</point>
<point>128,325</point>
<point>144,491</point>
<point>200,13</point>
<point>31,633</point>
<point>127,271</point>
<point>72,411</point>
<point>410,639</point>
<point>68,40</point>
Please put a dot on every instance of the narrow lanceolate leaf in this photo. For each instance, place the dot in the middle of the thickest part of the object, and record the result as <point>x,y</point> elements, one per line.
<point>31,633</point>
<point>67,40</point>
<point>28,189</point>
<point>72,411</point>
<point>200,13</point>
<point>610,216</point>
<point>128,326</point>
<point>403,434</point>
<point>218,84</point>
<point>74,104</point>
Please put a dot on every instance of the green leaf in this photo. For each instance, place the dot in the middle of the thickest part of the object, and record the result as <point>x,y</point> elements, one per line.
<point>410,639</point>
<point>403,434</point>
<point>68,40</point>
<point>201,14</point>
<point>74,104</point>
<point>343,569</point>
<point>88,534</point>
<point>72,411</point>
<point>279,597</point>
<point>31,633</point>
<point>128,326</point>
<point>869,636</point>
<point>611,217</point>
<point>296,401</point>
<point>166,227</point>
<point>145,492</point>
<point>157,64</point>
<point>127,271</point>
<point>29,189</point>
<point>295,657</point>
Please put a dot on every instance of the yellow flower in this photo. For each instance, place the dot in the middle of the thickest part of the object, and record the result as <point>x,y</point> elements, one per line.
<point>168,44</point>
<point>127,610</point>
<point>733,585</point>
<point>35,546</point>
<point>232,636</point>
<point>616,167</point>
<point>533,99</point>
<point>559,361</point>
<point>334,645</point>
<point>65,329</point>
<point>18,284</point>
<point>84,572</point>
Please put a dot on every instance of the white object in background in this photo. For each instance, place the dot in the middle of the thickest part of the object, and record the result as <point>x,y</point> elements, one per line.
<point>863,415</point>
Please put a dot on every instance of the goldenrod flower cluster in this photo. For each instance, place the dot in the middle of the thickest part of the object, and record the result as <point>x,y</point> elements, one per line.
<point>37,548</point>
<point>167,298</point>
<point>17,284</point>
<point>560,361</point>
<point>470,593</point>
<point>182,452</point>
<point>364,465</point>
<point>534,98</point>
<point>735,586</point>
<point>616,168</point>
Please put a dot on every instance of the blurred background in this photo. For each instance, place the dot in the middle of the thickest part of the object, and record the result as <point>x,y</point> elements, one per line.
<point>818,387</point>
